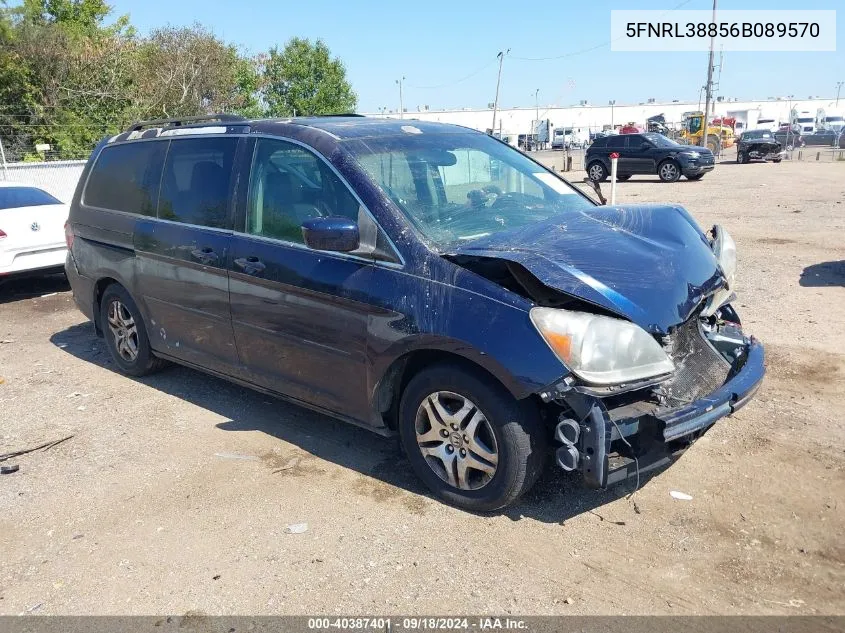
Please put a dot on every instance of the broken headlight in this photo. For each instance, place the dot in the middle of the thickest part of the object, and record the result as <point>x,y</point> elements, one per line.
<point>724,248</point>
<point>601,350</point>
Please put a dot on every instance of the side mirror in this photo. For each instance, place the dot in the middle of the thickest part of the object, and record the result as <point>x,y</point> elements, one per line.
<point>331,234</point>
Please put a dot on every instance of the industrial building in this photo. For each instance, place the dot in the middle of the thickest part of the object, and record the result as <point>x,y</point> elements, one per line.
<point>588,117</point>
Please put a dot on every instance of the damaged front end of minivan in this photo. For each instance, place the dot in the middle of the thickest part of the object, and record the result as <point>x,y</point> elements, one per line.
<point>636,304</point>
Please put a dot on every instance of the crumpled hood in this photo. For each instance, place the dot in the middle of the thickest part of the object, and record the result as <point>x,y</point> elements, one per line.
<point>649,263</point>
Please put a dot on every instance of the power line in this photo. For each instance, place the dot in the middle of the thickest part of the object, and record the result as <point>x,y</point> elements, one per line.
<point>462,79</point>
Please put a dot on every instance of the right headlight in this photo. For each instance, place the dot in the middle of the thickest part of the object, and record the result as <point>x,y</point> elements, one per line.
<point>601,350</point>
<point>724,248</point>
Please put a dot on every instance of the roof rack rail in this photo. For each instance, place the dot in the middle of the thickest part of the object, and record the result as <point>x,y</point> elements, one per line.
<point>139,125</point>
<point>339,114</point>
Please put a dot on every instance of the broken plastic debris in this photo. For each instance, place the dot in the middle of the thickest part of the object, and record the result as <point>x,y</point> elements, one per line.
<point>682,496</point>
<point>49,294</point>
<point>8,470</point>
<point>296,528</point>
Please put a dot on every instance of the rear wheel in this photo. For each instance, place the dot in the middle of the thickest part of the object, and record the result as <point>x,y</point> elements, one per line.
<point>597,172</point>
<point>669,171</point>
<point>470,441</point>
<point>776,160</point>
<point>125,333</point>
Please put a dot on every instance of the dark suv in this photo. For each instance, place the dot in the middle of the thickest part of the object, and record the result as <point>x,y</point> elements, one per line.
<point>413,278</point>
<point>649,153</point>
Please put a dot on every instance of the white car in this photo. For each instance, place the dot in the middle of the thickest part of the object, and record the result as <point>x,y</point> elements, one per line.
<point>32,234</point>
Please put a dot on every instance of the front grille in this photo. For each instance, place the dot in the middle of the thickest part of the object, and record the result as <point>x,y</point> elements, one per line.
<point>699,369</point>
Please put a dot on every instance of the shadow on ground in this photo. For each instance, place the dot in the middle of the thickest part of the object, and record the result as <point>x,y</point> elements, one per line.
<point>825,274</point>
<point>20,288</point>
<point>556,497</point>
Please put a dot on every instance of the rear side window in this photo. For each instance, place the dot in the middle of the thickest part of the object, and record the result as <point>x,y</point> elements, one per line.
<point>126,178</point>
<point>195,182</point>
<point>14,197</point>
<point>616,142</point>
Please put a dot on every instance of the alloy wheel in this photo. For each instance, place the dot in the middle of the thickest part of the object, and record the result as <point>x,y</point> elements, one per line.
<point>456,440</point>
<point>123,329</point>
<point>669,172</point>
<point>596,172</point>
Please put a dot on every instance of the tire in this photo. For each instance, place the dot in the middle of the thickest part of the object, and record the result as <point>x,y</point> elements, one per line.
<point>119,314</point>
<point>776,160</point>
<point>623,178</point>
<point>742,158</point>
<point>714,144</point>
<point>695,177</point>
<point>669,171</point>
<point>597,172</point>
<point>509,433</point>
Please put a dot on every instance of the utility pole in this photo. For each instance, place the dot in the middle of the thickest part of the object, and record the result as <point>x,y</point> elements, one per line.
<point>612,103</point>
<point>709,93</point>
<point>838,87</point>
<point>3,160</point>
<point>501,57</point>
<point>401,102</point>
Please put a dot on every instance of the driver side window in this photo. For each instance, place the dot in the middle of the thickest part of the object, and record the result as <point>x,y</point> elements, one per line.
<point>288,185</point>
<point>477,171</point>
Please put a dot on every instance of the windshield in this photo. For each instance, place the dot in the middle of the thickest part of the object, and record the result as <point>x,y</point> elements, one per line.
<point>659,140</point>
<point>13,197</point>
<point>458,187</point>
<point>757,134</point>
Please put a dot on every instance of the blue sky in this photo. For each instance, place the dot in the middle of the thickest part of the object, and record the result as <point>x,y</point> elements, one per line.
<point>436,43</point>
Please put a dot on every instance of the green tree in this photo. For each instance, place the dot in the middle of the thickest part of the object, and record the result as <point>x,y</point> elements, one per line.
<point>184,71</point>
<point>303,79</point>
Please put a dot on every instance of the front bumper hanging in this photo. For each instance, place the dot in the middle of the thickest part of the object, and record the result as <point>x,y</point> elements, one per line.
<point>654,431</point>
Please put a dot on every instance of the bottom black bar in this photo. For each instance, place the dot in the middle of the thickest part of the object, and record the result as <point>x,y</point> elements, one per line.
<point>196,622</point>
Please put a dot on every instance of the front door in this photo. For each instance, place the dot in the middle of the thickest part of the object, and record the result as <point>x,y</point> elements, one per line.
<point>299,316</point>
<point>182,255</point>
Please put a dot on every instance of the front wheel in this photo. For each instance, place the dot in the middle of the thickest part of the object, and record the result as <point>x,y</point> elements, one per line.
<point>470,441</point>
<point>668,171</point>
<point>741,157</point>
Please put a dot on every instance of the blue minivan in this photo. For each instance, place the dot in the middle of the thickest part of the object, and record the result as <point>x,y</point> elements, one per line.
<point>418,279</point>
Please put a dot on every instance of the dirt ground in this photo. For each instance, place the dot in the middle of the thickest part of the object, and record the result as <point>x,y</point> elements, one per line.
<point>175,491</point>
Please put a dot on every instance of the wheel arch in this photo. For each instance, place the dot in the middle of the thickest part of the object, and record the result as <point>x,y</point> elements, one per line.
<point>390,386</point>
<point>99,289</point>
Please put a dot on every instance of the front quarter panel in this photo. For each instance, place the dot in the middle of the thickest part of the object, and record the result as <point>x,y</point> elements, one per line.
<point>455,311</point>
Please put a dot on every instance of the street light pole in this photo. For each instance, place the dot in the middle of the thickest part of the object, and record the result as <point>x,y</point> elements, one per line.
<point>612,103</point>
<point>401,102</point>
<point>838,87</point>
<point>536,105</point>
<point>501,57</point>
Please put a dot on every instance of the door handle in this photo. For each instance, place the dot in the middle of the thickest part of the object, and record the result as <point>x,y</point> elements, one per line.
<point>250,265</point>
<point>205,255</point>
